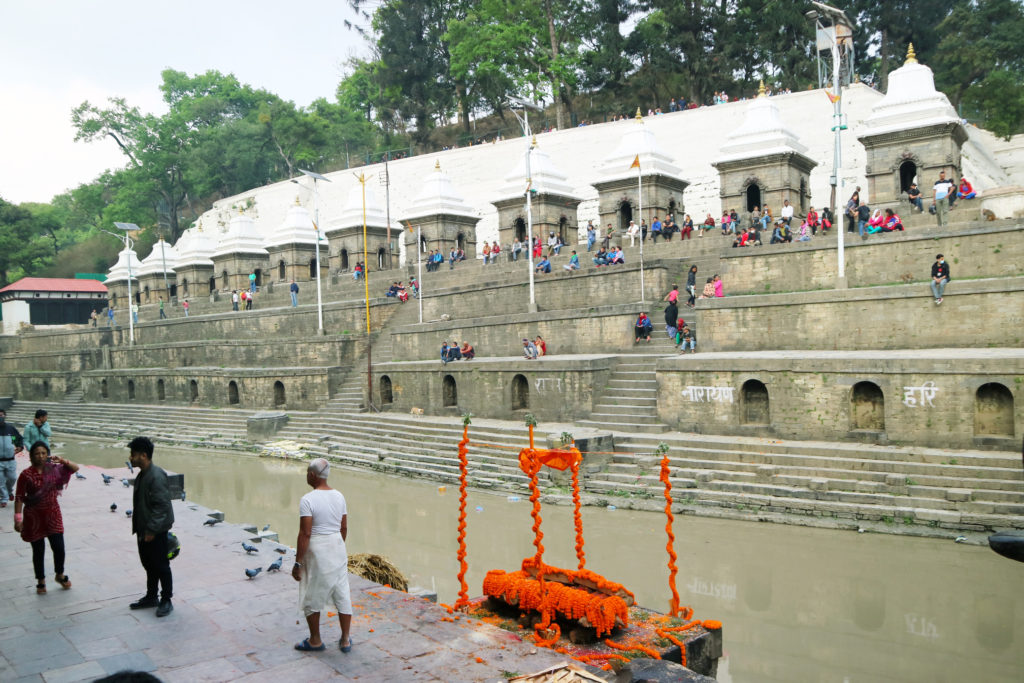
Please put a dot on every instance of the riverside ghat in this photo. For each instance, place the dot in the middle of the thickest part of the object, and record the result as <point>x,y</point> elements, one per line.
<point>229,627</point>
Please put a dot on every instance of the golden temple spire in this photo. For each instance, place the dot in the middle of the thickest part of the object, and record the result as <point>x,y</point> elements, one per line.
<point>911,57</point>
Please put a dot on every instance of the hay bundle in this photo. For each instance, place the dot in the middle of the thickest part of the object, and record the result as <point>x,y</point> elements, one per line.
<point>378,569</point>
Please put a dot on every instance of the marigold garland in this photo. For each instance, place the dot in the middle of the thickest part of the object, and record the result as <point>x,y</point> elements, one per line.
<point>673,605</point>
<point>711,624</point>
<point>653,654</point>
<point>576,515</point>
<point>667,631</point>
<point>463,599</point>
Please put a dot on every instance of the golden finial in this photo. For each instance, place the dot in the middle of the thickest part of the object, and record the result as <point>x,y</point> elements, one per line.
<point>437,165</point>
<point>760,89</point>
<point>639,116</point>
<point>241,210</point>
<point>911,57</point>
<point>534,143</point>
<point>297,200</point>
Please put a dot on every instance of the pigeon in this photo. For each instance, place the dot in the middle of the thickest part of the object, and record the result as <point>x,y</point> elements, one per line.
<point>126,483</point>
<point>281,550</point>
<point>183,496</point>
<point>113,507</point>
<point>79,475</point>
<point>276,566</point>
<point>251,573</point>
<point>127,513</point>
<point>960,539</point>
<point>211,522</point>
<point>131,470</point>
<point>249,548</point>
<point>106,478</point>
<point>266,528</point>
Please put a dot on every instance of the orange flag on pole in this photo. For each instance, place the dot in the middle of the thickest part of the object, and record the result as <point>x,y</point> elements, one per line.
<point>832,98</point>
<point>636,162</point>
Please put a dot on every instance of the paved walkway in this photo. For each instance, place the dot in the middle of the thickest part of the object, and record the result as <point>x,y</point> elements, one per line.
<point>224,627</point>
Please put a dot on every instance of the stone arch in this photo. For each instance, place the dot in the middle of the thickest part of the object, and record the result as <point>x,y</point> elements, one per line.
<point>754,403</point>
<point>281,272</point>
<point>753,195</point>
<point>907,174</point>
<point>259,277</point>
<point>131,390</point>
<point>519,226</point>
<point>161,394</point>
<point>212,284</point>
<point>520,393</point>
<point>460,241</point>
<point>233,393</point>
<point>312,268</point>
<point>343,257</point>
<point>625,213</point>
<point>867,407</point>
<point>193,391</point>
<point>449,392</point>
<point>672,207</point>
<point>224,278</point>
<point>279,396</point>
<point>174,289</point>
<point>993,410</point>
<point>381,259</point>
<point>386,395</point>
<point>184,286</point>
<point>423,244</point>
<point>46,388</point>
<point>803,195</point>
<point>145,293</point>
<point>104,389</point>
<point>563,227</point>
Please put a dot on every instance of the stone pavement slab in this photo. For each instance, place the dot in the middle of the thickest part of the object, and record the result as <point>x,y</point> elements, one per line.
<point>224,627</point>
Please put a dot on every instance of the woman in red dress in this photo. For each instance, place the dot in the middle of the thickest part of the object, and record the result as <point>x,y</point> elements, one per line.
<point>36,495</point>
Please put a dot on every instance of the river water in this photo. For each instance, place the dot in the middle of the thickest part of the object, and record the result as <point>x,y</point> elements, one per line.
<point>797,603</point>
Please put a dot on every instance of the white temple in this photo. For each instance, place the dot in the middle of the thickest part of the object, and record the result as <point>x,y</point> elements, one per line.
<point>161,259</point>
<point>438,196</point>
<point>241,237</point>
<point>127,262</point>
<point>911,101</point>
<point>639,141</point>
<point>762,132</point>
<point>545,177</point>
<point>296,228</point>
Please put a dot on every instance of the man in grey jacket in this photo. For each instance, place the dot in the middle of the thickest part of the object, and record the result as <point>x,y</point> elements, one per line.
<point>152,518</point>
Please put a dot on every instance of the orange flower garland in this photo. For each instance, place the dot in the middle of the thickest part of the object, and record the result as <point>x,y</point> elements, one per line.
<point>576,515</point>
<point>673,605</point>
<point>653,654</point>
<point>667,631</point>
<point>463,599</point>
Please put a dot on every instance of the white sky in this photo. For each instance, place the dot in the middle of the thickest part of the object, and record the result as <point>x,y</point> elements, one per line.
<point>55,54</point>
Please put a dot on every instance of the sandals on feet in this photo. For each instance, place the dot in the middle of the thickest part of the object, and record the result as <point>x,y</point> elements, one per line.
<point>304,646</point>
<point>41,588</point>
<point>64,581</point>
<point>345,648</point>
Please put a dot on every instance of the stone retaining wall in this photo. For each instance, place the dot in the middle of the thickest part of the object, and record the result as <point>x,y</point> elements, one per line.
<point>554,390</point>
<point>975,313</point>
<point>304,388</point>
<point>607,329</point>
<point>901,257</point>
<point>822,397</point>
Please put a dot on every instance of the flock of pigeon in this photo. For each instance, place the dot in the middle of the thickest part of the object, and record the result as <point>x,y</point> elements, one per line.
<point>275,566</point>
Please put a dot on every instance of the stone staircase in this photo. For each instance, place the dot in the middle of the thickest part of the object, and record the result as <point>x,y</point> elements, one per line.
<point>74,391</point>
<point>961,490</point>
<point>630,401</point>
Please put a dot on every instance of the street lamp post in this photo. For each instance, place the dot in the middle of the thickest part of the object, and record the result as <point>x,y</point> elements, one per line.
<point>531,142</point>
<point>316,227</point>
<point>128,244</point>
<point>837,21</point>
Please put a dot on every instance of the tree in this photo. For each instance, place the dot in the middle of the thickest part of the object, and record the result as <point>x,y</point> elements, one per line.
<point>154,147</point>
<point>980,60</point>
<point>21,253</point>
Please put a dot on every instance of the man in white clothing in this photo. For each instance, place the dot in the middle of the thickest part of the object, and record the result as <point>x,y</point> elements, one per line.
<point>787,212</point>
<point>321,559</point>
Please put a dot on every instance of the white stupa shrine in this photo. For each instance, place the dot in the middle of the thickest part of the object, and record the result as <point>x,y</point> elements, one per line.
<point>442,214</point>
<point>553,201</point>
<point>157,280</point>
<point>127,267</point>
<point>763,162</point>
<point>618,188</point>
<point>291,246</point>
<point>194,267</point>
<point>345,233</point>
<point>239,253</point>
<point>911,135</point>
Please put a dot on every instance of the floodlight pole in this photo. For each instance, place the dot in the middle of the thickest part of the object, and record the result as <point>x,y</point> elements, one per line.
<point>530,144</point>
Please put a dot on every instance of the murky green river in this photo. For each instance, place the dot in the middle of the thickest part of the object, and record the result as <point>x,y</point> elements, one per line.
<point>797,604</point>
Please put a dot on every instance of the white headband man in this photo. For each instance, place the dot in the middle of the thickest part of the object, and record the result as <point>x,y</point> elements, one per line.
<point>321,559</point>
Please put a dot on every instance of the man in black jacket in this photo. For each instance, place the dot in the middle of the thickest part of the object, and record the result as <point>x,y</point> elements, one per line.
<point>940,277</point>
<point>152,518</point>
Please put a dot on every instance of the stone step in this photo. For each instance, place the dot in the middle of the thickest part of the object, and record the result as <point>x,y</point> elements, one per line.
<point>624,426</point>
